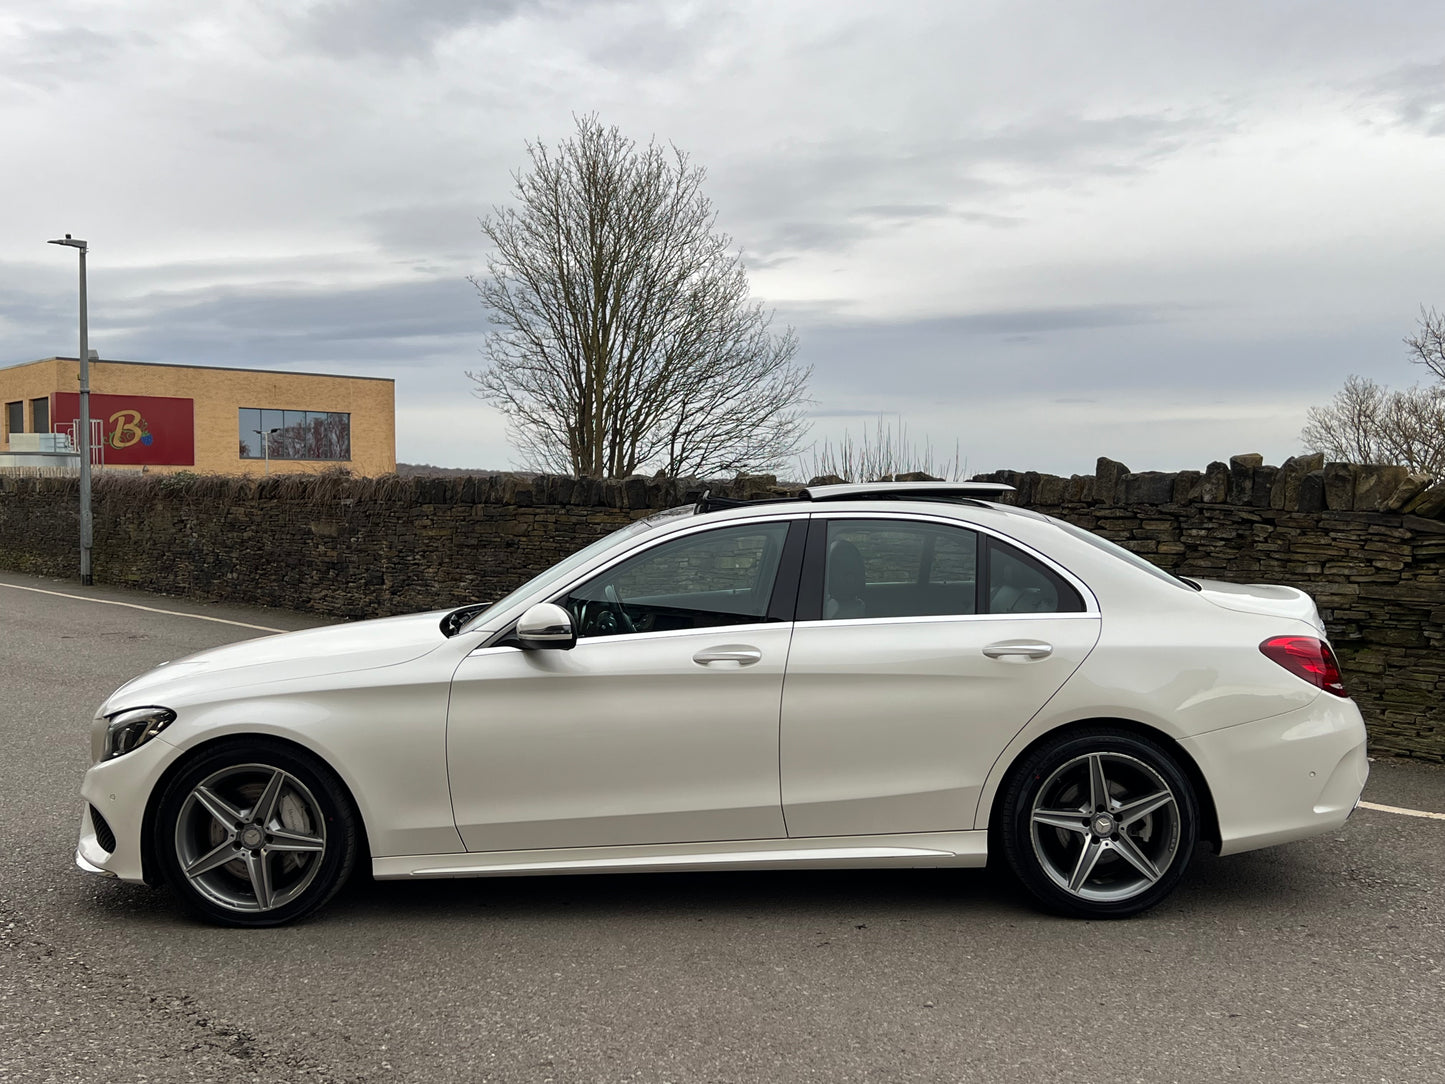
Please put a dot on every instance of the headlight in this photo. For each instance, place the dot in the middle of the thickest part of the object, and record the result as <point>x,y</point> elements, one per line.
<point>131,729</point>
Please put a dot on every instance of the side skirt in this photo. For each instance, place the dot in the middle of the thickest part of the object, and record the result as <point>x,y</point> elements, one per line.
<point>833,852</point>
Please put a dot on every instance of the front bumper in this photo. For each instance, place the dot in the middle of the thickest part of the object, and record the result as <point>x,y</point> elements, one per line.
<point>88,852</point>
<point>119,789</point>
<point>1285,778</point>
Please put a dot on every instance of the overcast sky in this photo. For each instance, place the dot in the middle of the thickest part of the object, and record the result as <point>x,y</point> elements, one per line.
<point>1038,232</point>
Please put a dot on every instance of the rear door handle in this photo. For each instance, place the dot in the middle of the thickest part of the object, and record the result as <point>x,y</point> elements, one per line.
<point>1029,649</point>
<point>742,654</point>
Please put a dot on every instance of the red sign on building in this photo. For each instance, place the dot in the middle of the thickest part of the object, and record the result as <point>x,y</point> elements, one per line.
<point>153,430</point>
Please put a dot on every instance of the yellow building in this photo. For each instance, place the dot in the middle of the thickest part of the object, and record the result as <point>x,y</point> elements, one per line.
<point>207,419</point>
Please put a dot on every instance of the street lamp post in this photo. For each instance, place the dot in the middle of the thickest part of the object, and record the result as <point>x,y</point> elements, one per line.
<point>266,445</point>
<point>84,434</point>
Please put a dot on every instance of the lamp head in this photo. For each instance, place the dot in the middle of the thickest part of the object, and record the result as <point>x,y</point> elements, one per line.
<point>69,242</point>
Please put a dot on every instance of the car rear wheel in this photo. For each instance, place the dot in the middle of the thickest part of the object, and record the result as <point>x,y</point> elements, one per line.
<point>255,833</point>
<point>1099,824</point>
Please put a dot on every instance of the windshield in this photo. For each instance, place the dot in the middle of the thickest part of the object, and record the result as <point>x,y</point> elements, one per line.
<point>577,560</point>
<point>1120,552</point>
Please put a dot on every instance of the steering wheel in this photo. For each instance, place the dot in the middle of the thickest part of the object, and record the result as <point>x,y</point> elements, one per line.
<point>614,602</point>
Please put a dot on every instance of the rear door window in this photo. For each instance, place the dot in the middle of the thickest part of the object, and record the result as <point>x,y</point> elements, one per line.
<point>897,568</point>
<point>877,568</point>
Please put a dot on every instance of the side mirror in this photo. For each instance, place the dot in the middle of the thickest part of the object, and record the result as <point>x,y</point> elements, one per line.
<point>546,625</point>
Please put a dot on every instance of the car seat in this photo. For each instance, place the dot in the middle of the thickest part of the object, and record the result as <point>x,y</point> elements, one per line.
<point>1018,589</point>
<point>847,581</point>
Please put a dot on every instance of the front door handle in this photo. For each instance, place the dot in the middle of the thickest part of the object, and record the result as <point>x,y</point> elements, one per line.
<point>742,654</point>
<point>1029,649</point>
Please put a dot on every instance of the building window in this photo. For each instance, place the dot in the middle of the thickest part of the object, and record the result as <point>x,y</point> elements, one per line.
<point>294,434</point>
<point>15,417</point>
<point>40,415</point>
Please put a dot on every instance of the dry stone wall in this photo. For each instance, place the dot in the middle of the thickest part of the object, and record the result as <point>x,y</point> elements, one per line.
<point>1367,542</point>
<point>334,545</point>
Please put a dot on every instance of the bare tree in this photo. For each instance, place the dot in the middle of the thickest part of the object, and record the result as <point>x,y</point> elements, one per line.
<point>623,335</point>
<point>1427,345</point>
<point>886,454</point>
<point>1348,427</point>
<point>1368,423</point>
<point>1415,428</point>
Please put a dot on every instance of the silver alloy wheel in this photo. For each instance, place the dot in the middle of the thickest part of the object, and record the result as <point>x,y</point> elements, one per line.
<point>1105,826</point>
<point>250,837</point>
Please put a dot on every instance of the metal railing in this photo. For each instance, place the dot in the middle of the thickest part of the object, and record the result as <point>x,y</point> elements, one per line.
<point>97,438</point>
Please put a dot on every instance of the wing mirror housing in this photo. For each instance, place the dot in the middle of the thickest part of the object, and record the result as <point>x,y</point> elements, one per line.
<point>546,625</point>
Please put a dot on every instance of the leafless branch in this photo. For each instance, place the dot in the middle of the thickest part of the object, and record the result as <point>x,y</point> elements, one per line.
<point>623,336</point>
<point>1368,423</point>
<point>886,454</point>
<point>1427,345</point>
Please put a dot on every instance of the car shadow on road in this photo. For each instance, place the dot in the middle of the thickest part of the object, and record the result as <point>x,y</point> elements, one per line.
<point>720,894</point>
<point>1276,878</point>
<point>1249,882</point>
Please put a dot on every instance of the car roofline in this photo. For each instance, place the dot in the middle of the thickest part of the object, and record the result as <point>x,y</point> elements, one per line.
<point>849,491</point>
<point>865,491</point>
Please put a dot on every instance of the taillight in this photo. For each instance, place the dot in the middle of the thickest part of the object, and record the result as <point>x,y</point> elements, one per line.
<point>1308,658</point>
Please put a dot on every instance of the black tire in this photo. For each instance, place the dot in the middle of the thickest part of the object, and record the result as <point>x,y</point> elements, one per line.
<point>254,832</point>
<point>1091,858</point>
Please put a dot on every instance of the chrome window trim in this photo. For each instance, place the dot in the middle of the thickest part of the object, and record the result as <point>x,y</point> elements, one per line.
<point>656,634</point>
<point>1091,601</point>
<point>774,513</point>
<point>935,618</point>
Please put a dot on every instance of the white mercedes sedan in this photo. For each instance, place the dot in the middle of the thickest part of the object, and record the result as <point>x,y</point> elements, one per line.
<point>905,675</point>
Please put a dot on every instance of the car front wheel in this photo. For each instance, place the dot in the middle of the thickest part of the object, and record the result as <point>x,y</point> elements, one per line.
<point>1099,824</point>
<point>255,833</point>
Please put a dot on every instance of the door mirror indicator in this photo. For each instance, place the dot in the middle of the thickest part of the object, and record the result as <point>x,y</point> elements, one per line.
<point>546,625</point>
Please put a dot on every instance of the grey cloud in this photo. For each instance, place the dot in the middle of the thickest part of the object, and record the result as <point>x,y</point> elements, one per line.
<point>815,311</point>
<point>960,358</point>
<point>894,214</point>
<point>1081,356</point>
<point>858,186</point>
<point>255,134</point>
<point>1009,322</point>
<point>1416,95</point>
<point>637,39</point>
<point>393,28</point>
<point>783,241</point>
<point>754,262</point>
<point>1070,318</point>
<point>45,57</point>
<point>339,314</point>
<point>77,45</point>
<point>432,230</point>
<point>387,328</point>
<point>906,210</point>
<point>38,314</point>
<point>1064,144</point>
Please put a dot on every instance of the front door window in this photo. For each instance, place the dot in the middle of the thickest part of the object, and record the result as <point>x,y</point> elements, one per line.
<point>721,577</point>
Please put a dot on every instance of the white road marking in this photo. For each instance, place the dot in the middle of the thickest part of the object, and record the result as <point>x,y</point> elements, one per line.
<point>148,609</point>
<point>1403,812</point>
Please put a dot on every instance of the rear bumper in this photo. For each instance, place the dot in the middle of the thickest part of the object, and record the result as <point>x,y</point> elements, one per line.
<point>1285,778</point>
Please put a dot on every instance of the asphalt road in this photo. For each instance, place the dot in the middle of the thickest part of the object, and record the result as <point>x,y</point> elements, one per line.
<point>1319,961</point>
